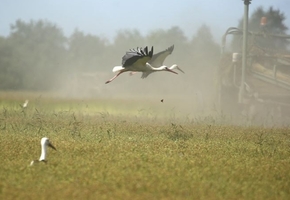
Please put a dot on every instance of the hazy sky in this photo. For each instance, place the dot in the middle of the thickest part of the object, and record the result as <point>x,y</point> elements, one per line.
<point>105,18</point>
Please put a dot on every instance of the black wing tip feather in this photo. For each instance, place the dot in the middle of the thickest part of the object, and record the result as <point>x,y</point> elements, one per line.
<point>145,52</point>
<point>151,52</point>
<point>133,55</point>
<point>140,50</point>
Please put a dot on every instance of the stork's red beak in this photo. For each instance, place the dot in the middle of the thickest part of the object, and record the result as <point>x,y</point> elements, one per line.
<point>169,70</point>
<point>51,146</point>
<point>180,69</point>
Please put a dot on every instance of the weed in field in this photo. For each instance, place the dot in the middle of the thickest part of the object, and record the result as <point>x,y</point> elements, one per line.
<point>177,132</point>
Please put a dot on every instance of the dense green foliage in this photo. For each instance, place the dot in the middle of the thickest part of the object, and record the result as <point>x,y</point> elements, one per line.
<point>106,155</point>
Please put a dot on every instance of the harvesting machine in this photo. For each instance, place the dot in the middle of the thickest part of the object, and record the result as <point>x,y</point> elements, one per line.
<point>255,81</point>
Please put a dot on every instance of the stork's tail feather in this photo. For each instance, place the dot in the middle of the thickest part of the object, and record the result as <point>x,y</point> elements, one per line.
<point>117,68</point>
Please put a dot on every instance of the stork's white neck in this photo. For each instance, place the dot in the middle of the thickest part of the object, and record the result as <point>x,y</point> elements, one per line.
<point>161,68</point>
<point>173,66</point>
<point>43,152</point>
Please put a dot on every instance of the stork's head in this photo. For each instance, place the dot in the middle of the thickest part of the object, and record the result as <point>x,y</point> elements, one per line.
<point>45,142</point>
<point>177,67</point>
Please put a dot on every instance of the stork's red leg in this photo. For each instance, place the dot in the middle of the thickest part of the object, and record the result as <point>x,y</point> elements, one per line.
<point>114,77</point>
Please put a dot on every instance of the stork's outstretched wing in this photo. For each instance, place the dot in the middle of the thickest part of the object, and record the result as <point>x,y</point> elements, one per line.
<point>137,57</point>
<point>158,58</point>
<point>138,61</point>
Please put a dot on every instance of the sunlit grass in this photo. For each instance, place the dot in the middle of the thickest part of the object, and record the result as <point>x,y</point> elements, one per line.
<point>103,154</point>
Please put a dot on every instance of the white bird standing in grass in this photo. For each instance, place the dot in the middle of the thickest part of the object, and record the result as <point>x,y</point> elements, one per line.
<point>138,61</point>
<point>25,104</point>
<point>44,144</point>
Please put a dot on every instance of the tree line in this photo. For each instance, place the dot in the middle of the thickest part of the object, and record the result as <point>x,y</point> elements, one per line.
<point>36,54</point>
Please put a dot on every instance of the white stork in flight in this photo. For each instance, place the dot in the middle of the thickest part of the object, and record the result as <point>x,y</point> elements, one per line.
<point>138,61</point>
<point>44,144</point>
<point>157,61</point>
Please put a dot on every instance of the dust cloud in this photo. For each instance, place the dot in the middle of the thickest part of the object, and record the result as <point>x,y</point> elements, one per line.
<point>189,94</point>
<point>192,95</point>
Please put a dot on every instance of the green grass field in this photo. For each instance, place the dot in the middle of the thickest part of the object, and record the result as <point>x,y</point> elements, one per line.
<point>110,149</point>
